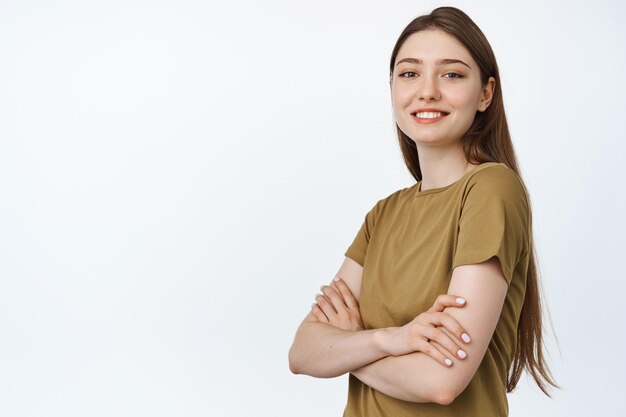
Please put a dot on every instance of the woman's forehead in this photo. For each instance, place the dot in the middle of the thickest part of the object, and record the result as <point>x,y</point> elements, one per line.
<point>433,45</point>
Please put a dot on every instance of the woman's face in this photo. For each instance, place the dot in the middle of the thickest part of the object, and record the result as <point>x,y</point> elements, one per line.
<point>453,88</point>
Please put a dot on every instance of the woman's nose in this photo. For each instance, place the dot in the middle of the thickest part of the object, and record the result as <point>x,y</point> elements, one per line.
<point>428,88</point>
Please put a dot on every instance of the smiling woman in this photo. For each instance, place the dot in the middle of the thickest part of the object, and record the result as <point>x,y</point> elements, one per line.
<point>453,85</point>
<point>463,231</point>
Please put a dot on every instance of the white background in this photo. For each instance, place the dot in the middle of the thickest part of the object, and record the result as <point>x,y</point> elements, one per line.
<point>178,178</point>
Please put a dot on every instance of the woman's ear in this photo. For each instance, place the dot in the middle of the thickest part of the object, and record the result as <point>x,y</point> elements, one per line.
<point>487,94</point>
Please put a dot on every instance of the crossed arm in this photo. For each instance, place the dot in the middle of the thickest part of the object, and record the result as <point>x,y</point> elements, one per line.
<point>322,350</point>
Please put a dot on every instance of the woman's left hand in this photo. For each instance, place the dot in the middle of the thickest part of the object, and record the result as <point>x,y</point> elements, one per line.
<point>338,307</point>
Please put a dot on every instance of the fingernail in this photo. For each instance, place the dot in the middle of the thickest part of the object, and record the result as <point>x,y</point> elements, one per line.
<point>336,278</point>
<point>460,300</point>
<point>313,305</point>
<point>461,354</point>
<point>465,337</point>
<point>322,288</point>
<point>448,362</point>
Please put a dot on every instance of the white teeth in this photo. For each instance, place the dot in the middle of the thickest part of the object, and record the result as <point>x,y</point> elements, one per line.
<point>428,115</point>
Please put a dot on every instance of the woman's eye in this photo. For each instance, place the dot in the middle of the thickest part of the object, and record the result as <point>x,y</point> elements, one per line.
<point>407,74</point>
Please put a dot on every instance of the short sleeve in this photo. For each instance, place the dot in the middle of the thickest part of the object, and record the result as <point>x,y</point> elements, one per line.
<point>358,249</point>
<point>494,221</point>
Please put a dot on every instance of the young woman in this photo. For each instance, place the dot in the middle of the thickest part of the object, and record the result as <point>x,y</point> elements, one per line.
<point>436,309</point>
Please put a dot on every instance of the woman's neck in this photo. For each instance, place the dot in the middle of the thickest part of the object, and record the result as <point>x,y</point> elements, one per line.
<point>444,170</point>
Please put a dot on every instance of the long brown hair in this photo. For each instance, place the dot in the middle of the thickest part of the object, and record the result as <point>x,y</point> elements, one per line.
<point>487,140</point>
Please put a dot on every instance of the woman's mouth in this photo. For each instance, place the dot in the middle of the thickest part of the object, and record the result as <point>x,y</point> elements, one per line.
<point>428,117</point>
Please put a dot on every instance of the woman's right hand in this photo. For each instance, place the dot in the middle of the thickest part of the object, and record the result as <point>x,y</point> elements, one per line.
<point>419,332</point>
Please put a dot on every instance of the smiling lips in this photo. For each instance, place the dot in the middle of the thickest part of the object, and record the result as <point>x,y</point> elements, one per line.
<point>428,117</point>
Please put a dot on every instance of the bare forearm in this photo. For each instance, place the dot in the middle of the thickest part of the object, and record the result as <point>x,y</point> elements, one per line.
<point>391,376</point>
<point>324,351</point>
<point>412,377</point>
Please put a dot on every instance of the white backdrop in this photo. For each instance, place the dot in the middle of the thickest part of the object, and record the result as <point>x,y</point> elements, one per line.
<point>178,178</point>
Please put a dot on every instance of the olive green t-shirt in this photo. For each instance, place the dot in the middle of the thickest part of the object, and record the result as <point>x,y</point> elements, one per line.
<point>408,245</point>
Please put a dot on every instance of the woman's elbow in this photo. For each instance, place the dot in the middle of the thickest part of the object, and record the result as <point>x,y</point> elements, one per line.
<point>445,389</point>
<point>444,397</point>
<point>294,365</point>
<point>447,392</point>
<point>299,364</point>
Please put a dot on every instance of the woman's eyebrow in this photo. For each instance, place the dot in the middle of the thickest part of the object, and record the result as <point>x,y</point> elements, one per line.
<point>444,61</point>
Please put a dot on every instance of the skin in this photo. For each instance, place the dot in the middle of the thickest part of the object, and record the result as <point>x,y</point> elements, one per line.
<point>338,306</point>
<point>415,86</point>
<point>329,342</point>
<point>398,361</point>
<point>456,89</point>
